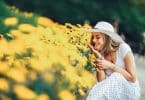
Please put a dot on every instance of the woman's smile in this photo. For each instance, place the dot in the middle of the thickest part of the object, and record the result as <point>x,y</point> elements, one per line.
<point>97,46</point>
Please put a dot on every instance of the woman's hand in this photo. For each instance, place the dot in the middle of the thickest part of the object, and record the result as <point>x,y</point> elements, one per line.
<point>104,64</point>
<point>97,53</point>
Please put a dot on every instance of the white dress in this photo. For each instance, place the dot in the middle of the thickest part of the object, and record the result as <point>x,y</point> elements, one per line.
<point>115,86</point>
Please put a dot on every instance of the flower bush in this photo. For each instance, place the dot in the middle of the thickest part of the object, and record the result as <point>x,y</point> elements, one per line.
<point>45,62</point>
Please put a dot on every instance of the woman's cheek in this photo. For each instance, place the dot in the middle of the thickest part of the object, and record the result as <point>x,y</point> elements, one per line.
<point>98,47</point>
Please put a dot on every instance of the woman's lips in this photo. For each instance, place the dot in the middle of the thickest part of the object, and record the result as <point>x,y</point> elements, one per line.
<point>95,47</point>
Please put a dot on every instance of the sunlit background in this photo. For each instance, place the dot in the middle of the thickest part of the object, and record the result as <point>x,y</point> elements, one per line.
<point>43,45</point>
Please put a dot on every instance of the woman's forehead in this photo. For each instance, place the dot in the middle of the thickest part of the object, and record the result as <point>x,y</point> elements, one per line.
<point>96,33</point>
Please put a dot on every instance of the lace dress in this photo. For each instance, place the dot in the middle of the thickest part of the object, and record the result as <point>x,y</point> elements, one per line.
<point>115,86</point>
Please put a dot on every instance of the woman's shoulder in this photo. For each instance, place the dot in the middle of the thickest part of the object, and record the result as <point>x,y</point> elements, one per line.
<point>124,48</point>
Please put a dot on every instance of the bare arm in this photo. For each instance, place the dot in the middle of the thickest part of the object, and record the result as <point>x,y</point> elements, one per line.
<point>100,75</point>
<point>129,71</point>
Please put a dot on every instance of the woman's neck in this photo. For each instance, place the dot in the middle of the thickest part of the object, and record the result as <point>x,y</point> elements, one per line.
<point>111,57</point>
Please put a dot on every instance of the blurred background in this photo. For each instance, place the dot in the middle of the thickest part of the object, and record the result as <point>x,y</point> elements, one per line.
<point>127,16</point>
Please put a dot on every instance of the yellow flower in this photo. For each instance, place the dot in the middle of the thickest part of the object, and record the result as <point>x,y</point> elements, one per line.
<point>4,85</point>
<point>81,92</point>
<point>32,75</point>
<point>49,77</point>
<point>26,28</point>
<point>16,74</point>
<point>24,93</point>
<point>4,47</point>
<point>43,97</point>
<point>41,64</point>
<point>87,79</point>
<point>66,95</point>
<point>11,21</point>
<point>45,21</point>
<point>19,48</point>
<point>3,97</point>
<point>51,44</point>
<point>3,67</point>
<point>26,14</point>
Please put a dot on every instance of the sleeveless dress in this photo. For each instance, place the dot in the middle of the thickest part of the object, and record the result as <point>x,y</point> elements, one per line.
<point>115,86</point>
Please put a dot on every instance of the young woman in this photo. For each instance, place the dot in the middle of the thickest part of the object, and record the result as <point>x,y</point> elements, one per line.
<point>117,78</point>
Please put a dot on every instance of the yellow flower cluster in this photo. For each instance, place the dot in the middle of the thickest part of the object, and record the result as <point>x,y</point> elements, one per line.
<point>11,21</point>
<point>50,52</point>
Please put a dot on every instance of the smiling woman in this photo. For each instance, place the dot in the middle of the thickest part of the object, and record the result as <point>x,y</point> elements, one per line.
<point>117,75</point>
<point>97,37</point>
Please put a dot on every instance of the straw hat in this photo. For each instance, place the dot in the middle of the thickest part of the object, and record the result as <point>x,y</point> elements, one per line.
<point>108,29</point>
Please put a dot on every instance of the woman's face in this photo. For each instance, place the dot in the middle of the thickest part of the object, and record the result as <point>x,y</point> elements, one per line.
<point>98,40</point>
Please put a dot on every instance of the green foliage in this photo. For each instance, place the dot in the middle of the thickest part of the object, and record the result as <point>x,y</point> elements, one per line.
<point>6,12</point>
<point>41,86</point>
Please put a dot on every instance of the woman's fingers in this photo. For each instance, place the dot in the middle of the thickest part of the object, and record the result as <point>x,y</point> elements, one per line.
<point>100,67</point>
<point>98,60</point>
<point>97,53</point>
<point>91,47</point>
<point>99,64</point>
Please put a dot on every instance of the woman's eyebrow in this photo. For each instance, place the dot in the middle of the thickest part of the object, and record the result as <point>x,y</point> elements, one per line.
<point>97,35</point>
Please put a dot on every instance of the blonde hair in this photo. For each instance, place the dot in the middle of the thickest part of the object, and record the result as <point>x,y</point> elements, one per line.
<point>109,45</point>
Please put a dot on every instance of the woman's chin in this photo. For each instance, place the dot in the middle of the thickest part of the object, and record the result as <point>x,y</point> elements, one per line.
<point>96,48</point>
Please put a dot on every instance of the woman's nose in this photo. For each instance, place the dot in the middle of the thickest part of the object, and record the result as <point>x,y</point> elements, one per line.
<point>94,40</point>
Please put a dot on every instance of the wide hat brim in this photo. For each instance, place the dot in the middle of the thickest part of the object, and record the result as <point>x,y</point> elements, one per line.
<point>114,36</point>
